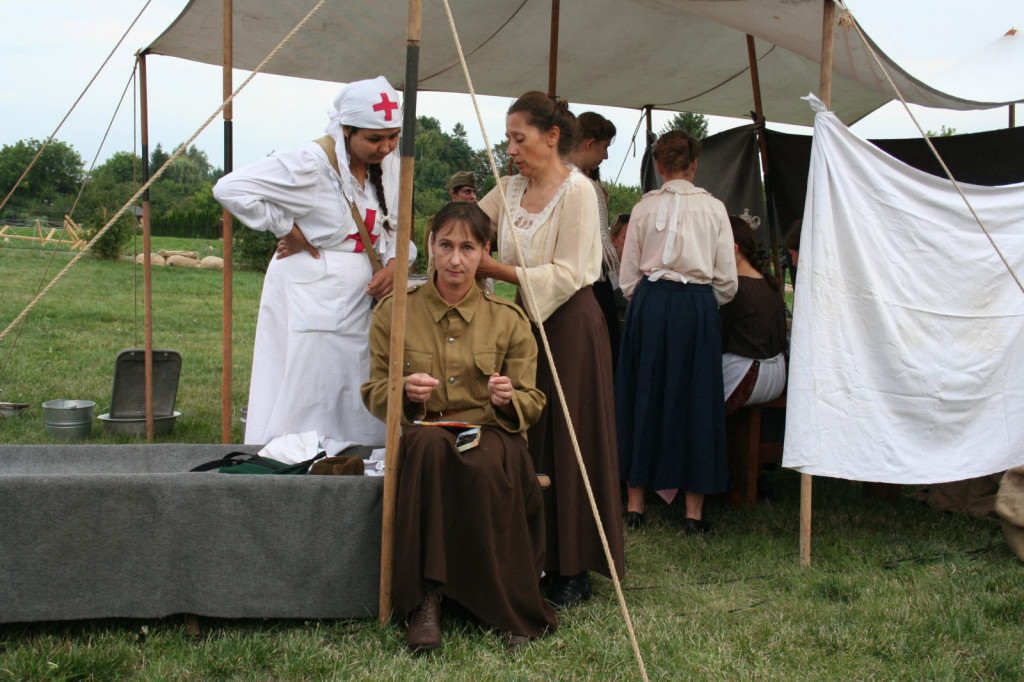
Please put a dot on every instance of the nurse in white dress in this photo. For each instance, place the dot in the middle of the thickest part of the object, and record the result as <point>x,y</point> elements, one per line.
<point>311,353</point>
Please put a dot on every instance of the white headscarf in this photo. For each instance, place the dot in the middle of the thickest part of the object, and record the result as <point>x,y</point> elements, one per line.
<point>372,104</point>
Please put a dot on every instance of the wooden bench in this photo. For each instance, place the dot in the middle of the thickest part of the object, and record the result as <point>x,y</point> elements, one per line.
<point>746,453</point>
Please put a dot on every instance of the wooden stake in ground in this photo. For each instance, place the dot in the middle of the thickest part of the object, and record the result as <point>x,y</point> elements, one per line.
<point>827,42</point>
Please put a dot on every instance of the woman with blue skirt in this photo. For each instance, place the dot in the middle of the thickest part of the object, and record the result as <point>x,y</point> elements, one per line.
<point>678,266</point>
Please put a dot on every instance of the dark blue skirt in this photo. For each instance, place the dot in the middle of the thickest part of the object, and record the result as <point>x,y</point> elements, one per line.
<point>669,394</point>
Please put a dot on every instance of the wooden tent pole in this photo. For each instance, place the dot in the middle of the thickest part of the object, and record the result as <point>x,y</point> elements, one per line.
<point>227,235</point>
<point>1013,112</point>
<point>827,42</point>
<point>396,383</point>
<point>147,275</point>
<point>553,49</point>
<point>762,141</point>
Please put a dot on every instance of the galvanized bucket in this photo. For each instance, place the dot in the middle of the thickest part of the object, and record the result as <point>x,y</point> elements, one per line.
<point>68,419</point>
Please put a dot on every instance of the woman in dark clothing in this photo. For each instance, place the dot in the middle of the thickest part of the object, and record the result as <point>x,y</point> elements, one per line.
<point>753,329</point>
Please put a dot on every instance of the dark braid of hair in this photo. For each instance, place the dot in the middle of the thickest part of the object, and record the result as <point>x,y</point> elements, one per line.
<point>743,236</point>
<point>377,178</point>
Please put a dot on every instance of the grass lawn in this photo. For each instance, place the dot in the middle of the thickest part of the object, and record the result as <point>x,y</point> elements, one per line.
<point>896,591</point>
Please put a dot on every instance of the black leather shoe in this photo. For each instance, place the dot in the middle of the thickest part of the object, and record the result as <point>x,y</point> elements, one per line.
<point>633,519</point>
<point>697,526</point>
<point>566,591</point>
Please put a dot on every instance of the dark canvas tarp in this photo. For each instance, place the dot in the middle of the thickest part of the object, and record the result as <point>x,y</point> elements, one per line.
<point>729,167</point>
<point>989,158</point>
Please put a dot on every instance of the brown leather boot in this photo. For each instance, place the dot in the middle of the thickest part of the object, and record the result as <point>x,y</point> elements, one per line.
<point>424,632</point>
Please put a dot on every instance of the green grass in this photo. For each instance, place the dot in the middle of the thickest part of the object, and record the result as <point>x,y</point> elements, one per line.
<point>896,591</point>
<point>69,342</point>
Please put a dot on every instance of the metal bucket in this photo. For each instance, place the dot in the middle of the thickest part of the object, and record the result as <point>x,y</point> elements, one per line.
<point>68,419</point>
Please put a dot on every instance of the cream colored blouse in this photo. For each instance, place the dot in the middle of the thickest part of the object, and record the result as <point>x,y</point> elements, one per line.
<point>558,249</point>
<point>681,233</point>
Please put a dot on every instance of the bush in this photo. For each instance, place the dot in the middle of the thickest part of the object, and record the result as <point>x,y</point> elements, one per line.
<point>112,244</point>
<point>252,248</point>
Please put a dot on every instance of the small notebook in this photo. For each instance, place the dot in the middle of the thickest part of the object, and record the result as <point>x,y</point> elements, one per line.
<point>467,436</point>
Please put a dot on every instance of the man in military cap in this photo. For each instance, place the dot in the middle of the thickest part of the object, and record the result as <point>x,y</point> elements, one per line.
<point>461,187</point>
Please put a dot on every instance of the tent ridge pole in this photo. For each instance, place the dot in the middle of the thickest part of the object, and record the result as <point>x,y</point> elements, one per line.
<point>147,274</point>
<point>227,233</point>
<point>827,46</point>
<point>396,382</point>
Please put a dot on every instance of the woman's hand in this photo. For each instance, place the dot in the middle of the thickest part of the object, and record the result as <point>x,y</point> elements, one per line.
<point>295,242</point>
<point>496,270</point>
<point>500,389</point>
<point>419,386</point>
<point>382,282</point>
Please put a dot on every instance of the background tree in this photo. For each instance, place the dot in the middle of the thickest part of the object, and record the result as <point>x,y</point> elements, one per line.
<point>943,132</point>
<point>49,188</point>
<point>621,198</point>
<point>110,185</point>
<point>157,157</point>
<point>482,166</point>
<point>695,124</point>
<point>439,155</point>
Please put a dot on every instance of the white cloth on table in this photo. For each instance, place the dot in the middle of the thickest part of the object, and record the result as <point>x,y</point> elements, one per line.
<point>907,357</point>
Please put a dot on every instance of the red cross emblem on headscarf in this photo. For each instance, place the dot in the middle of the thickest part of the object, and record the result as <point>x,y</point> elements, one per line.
<point>385,105</point>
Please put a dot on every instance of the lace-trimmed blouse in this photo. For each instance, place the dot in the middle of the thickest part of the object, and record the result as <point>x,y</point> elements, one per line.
<point>559,249</point>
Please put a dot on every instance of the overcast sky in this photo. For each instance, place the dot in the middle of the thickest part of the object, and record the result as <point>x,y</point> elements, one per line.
<point>51,48</point>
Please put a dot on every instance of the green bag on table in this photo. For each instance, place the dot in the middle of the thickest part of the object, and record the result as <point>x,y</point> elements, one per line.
<point>246,463</point>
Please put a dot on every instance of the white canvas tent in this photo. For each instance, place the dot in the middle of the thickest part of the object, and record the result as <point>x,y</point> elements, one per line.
<point>992,72</point>
<point>684,55</point>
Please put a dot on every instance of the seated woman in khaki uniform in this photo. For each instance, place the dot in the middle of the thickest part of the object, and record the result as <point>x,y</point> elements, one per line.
<point>469,524</point>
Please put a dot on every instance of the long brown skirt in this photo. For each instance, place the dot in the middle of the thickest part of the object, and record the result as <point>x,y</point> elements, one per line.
<point>473,523</point>
<point>579,344</point>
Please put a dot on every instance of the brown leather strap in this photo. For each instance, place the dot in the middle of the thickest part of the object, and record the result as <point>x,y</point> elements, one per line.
<point>327,144</point>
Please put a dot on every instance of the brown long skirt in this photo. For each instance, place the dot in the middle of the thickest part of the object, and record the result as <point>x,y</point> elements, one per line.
<point>472,522</point>
<point>578,336</point>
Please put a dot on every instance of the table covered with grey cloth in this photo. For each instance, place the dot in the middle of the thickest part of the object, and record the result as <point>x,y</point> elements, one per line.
<point>96,531</point>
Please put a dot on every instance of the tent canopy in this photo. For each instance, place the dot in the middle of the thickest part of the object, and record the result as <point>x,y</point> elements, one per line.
<point>682,55</point>
<point>993,71</point>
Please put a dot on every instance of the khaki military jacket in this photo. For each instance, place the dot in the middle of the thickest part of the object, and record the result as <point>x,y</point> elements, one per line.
<point>461,346</point>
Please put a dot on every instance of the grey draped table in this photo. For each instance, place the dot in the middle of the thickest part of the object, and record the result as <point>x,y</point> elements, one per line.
<point>97,531</point>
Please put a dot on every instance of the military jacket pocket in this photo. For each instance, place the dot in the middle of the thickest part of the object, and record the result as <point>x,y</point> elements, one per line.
<point>417,362</point>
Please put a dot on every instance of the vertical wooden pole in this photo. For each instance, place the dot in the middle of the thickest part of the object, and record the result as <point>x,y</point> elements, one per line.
<point>827,42</point>
<point>147,274</point>
<point>1013,112</point>
<point>396,382</point>
<point>227,235</point>
<point>553,49</point>
<point>762,141</point>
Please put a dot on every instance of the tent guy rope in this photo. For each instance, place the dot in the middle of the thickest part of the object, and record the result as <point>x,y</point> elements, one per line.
<point>551,361</point>
<point>847,20</point>
<point>64,120</point>
<point>177,152</point>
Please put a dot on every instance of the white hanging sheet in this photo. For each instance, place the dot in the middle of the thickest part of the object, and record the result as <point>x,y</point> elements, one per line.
<point>907,346</point>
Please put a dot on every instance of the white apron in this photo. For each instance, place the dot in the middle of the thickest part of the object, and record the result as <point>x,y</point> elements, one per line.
<point>311,352</point>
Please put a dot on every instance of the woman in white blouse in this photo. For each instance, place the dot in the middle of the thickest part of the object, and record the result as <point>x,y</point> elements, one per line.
<point>678,266</point>
<point>548,235</point>
<point>312,338</point>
